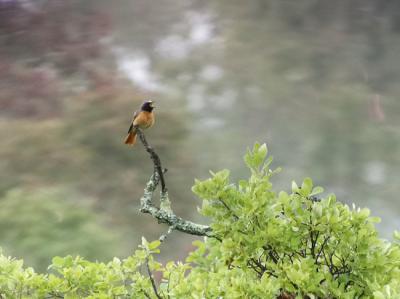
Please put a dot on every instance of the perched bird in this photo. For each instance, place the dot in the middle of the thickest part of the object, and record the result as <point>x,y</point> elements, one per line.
<point>144,118</point>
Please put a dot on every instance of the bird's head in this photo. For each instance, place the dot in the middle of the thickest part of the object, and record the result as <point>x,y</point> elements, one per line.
<point>148,106</point>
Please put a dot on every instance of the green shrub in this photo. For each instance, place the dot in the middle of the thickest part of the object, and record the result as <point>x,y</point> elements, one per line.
<point>266,245</point>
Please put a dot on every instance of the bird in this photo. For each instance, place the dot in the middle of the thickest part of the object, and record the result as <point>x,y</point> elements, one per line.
<point>143,119</point>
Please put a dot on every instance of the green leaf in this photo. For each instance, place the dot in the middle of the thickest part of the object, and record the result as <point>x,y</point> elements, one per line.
<point>306,187</point>
<point>153,245</point>
<point>58,261</point>
<point>317,190</point>
<point>145,244</point>
<point>379,295</point>
<point>295,188</point>
<point>255,158</point>
<point>374,219</point>
<point>263,151</point>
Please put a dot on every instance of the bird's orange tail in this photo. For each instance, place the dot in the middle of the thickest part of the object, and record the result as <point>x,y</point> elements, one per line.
<point>131,138</point>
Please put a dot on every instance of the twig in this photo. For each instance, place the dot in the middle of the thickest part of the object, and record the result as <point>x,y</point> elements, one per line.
<point>270,253</point>
<point>228,208</point>
<point>169,281</point>
<point>322,248</point>
<point>164,236</point>
<point>152,279</point>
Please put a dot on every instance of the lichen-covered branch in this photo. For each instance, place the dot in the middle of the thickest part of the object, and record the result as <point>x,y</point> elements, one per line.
<point>164,213</point>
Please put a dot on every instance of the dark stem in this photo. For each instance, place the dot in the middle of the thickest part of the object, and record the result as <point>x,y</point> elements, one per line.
<point>322,248</point>
<point>271,254</point>
<point>154,157</point>
<point>228,208</point>
<point>152,280</point>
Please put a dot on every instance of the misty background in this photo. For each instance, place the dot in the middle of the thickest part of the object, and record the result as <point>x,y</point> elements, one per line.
<point>318,81</point>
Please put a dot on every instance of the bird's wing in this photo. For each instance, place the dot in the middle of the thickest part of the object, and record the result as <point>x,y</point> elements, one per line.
<point>131,126</point>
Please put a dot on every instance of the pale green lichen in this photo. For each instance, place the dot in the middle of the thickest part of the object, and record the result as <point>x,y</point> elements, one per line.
<point>166,215</point>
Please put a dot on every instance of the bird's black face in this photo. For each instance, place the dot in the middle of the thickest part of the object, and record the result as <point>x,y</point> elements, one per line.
<point>148,106</point>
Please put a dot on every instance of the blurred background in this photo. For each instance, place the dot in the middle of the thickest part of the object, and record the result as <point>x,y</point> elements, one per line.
<point>317,80</point>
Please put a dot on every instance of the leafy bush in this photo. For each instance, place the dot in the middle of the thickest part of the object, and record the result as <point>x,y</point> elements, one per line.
<point>266,245</point>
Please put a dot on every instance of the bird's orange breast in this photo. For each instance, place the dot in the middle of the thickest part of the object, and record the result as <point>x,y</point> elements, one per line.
<point>144,120</point>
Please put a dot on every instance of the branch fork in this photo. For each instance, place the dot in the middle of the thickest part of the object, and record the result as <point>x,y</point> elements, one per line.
<point>164,213</point>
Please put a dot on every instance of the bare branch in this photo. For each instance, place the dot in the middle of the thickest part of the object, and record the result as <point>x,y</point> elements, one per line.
<point>154,157</point>
<point>164,236</point>
<point>322,248</point>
